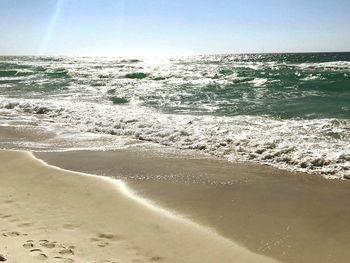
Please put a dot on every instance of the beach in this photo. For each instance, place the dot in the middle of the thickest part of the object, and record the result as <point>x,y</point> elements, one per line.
<point>144,207</point>
<point>174,131</point>
<point>213,158</point>
<point>48,214</point>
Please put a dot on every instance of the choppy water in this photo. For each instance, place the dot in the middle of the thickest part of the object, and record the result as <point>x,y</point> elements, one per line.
<point>287,110</point>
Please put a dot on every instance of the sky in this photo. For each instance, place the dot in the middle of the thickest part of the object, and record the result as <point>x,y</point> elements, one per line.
<point>172,27</point>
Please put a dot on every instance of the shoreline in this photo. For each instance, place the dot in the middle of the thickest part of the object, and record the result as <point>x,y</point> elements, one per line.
<point>237,138</point>
<point>39,139</point>
<point>52,214</point>
<point>276,213</point>
<point>288,216</point>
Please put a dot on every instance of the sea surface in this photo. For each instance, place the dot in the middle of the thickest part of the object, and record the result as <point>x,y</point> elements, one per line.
<point>291,111</point>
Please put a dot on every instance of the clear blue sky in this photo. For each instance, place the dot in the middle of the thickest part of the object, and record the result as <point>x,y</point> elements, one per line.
<point>172,27</point>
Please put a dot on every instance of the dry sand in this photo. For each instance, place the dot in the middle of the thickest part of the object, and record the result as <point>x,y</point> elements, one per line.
<point>48,214</point>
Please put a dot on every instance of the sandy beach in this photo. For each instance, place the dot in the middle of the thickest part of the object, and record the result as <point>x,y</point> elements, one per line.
<point>48,214</point>
<point>292,217</point>
<point>142,205</point>
<point>174,131</point>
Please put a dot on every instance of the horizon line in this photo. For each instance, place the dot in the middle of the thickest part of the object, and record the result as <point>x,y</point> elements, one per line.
<point>175,55</point>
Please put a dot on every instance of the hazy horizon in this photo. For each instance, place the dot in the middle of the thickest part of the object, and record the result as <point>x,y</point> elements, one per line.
<point>181,28</point>
<point>130,56</point>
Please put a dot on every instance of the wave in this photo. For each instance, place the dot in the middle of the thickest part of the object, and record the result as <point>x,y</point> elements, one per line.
<point>333,65</point>
<point>314,146</point>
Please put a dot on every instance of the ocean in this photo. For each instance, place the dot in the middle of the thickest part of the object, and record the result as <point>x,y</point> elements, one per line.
<point>291,111</point>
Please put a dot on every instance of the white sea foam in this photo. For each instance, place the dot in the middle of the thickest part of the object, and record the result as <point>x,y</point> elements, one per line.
<point>316,146</point>
<point>342,65</point>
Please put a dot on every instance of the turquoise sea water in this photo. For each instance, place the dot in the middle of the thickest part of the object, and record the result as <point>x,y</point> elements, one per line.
<point>287,110</point>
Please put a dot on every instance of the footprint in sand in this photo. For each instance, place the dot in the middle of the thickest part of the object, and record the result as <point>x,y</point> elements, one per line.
<point>99,242</point>
<point>66,252</point>
<point>156,259</point>
<point>12,234</point>
<point>103,240</point>
<point>2,258</point>
<point>29,244</point>
<point>47,243</point>
<point>50,250</point>
<point>108,236</point>
<point>38,254</point>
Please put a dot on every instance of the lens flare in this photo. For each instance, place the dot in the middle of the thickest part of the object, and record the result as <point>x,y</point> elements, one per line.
<point>51,27</point>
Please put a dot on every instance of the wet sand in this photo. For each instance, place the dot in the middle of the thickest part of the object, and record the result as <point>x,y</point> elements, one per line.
<point>288,216</point>
<point>51,215</point>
